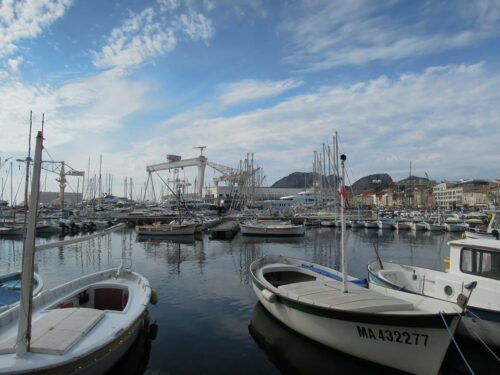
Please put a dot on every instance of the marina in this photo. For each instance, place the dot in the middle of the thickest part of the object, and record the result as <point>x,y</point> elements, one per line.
<point>206,303</point>
<point>250,187</point>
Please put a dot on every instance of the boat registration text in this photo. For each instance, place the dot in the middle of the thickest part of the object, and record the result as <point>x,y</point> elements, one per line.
<point>391,335</point>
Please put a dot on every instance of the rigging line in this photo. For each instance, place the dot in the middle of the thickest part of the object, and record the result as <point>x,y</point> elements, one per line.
<point>48,153</point>
<point>486,346</point>
<point>343,150</point>
<point>456,344</point>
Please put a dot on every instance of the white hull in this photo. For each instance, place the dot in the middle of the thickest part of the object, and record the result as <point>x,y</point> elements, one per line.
<point>417,227</point>
<point>358,224</point>
<point>399,281</point>
<point>83,326</point>
<point>272,230</point>
<point>371,224</point>
<point>451,227</point>
<point>365,341</point>
<point>434,227</point>
<point>166,230</point>
<point>308,298</point>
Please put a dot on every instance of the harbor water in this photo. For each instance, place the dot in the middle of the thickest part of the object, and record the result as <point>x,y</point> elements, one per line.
<point>207,320</point>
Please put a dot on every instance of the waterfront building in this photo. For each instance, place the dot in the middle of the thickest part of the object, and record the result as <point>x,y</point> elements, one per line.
<point>448,196</point>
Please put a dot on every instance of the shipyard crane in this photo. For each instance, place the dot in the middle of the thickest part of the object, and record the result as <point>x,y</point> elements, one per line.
<point>231,175</point>
<point>53,167</point>
<point>176,162</point>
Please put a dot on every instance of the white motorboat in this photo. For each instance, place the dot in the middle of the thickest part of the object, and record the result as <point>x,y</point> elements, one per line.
<point>309,299</point>
<point>271,228</point>
<point>455,227</point>
<point>371,224</point>
<point>492,231</point>
<point>417,226</point>
<point>84,326</point>
<point>433,227</point>
<point>470,261</point>
<point>358,224</point>
<point>327,223</point>
<point>171,229</point>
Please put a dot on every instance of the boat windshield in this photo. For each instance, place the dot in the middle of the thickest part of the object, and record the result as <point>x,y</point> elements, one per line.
<point>480,262</point>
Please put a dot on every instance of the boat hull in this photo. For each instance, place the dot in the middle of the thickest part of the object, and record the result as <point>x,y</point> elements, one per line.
<point>487,327</point>
<point>420,351</point>
<point>270,231</point>
<point>117,297</point>
<point>166,230</point>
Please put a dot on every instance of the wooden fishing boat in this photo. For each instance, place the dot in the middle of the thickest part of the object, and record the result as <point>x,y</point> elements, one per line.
<point>269,228</point>
<point>309,299</point>
<point>327,306</point>
<point>470,261</point>
<point>10,288</point>
<point>83,326</point>
<point>171,229</point>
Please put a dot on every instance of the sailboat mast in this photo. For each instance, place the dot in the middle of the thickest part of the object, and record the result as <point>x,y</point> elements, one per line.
<point>24,328</point>
<point>343,193</point>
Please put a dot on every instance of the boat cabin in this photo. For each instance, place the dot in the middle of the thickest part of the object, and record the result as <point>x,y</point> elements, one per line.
<point>475,257</point>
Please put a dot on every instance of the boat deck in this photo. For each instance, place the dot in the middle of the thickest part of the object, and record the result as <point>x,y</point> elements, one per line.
<point>329,294</point>
<point>58,330</point>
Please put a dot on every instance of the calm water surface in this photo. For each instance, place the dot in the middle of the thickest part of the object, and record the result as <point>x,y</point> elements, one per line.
<point>207,316</point>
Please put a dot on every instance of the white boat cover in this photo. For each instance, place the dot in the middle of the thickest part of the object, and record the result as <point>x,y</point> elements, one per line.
<point>324,294</point>
<point>58,330</point>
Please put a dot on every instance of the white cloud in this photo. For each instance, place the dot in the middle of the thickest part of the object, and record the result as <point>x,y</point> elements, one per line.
<point>326,34</point>
<point>15,63</point>
<point>77,109</point>
<point>23,19</point>
<point>383,123</point>
<point>196,26</point>
<point>250,90</point>
<point>153,32</point>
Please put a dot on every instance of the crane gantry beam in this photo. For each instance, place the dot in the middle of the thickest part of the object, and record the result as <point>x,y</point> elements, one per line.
<point>200,162</point>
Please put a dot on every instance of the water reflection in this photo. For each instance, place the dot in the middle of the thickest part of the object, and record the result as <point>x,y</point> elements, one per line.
<point>136,360</point>
<point>174,250</point>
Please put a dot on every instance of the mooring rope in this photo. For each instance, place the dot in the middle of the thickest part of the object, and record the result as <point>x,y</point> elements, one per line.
<point>480,339</point>
<point>456,344</point>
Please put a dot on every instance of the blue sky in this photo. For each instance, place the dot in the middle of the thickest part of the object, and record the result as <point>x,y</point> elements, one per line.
<point>135,80</point>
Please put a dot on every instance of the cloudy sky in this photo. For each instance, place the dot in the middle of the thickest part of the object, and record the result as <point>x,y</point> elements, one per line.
<point>133,81</point>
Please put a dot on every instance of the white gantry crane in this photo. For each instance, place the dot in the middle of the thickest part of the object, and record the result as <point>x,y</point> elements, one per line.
<point>229,175</point>
<point>176,162</point>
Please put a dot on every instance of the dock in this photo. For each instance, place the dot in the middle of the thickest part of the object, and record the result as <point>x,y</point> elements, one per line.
<point>225,230</point>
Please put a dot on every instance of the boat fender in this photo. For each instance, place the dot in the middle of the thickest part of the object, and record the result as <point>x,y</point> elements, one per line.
<point>268,296</point>
<point>154,297</point>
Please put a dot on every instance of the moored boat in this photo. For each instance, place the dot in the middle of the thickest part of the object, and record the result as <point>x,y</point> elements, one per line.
<point>470,261</point>
<point>84,326</point>
<point>385,224</point>
<point>309,299</point>
<point>327,306</point>
<point>10,288</point>
<point>433,227</point>
<point>371,224</point>
<point>172,229</point>
<point>269,228</point>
